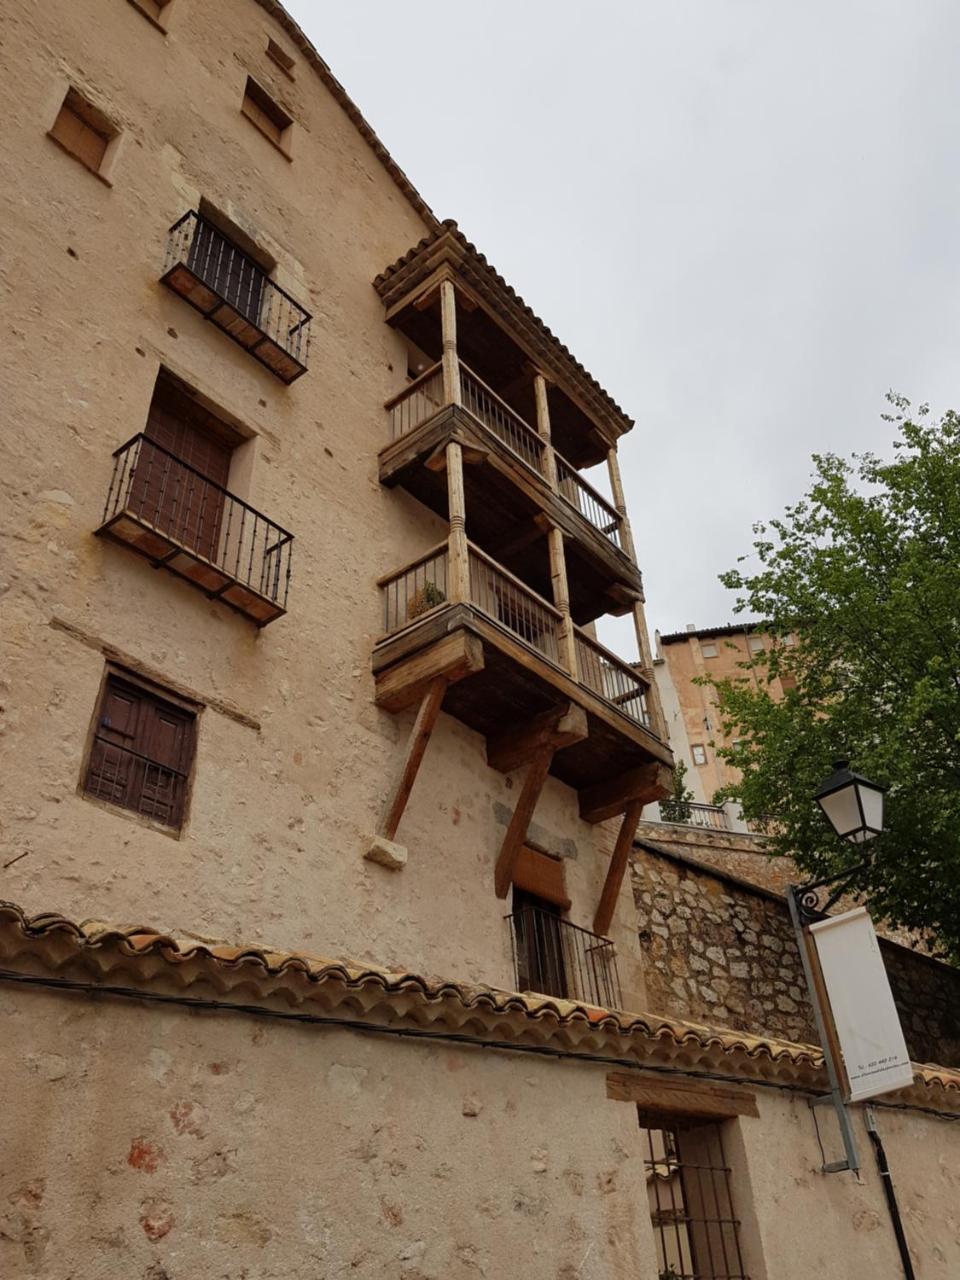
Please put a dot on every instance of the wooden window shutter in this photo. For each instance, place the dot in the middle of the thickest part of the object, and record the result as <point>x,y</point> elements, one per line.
<point>540,874</point>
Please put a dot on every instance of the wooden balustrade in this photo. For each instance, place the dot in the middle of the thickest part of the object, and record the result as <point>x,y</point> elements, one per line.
<point>417,402</point>
<point>415,590</point>
<point>509,602</point>
<point>612,679</point>
<point>582,496</point>
<point>505,423</point>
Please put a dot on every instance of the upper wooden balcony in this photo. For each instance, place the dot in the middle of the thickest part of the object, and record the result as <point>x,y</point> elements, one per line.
<point>232,290</point>
<point>516,485</point>
<point>509,662</point>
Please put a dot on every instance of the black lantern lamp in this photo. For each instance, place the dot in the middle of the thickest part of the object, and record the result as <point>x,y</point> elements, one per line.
<point>853,805</point>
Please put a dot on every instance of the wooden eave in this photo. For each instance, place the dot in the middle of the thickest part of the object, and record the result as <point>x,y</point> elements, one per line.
<point>446,250</point>
<point>512,492</point>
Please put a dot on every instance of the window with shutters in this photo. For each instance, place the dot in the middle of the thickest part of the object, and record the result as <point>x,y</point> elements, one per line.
<point>141,753</point>
<point>267,114</point>
<point>84,132</point>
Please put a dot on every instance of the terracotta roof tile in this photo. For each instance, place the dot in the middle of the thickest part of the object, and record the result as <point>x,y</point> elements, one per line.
<point>273,978</point>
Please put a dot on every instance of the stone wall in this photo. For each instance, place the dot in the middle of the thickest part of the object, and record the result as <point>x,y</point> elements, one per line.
<point>722,951</point>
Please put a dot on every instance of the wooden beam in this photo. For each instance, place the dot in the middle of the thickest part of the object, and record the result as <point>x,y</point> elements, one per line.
<point>517,830</point>
<point>455,656</point>
<point>606,799</point>
<point>558,728</point>
<point>670,1096</point>
<point>617,868</point>
<point>412,757</point>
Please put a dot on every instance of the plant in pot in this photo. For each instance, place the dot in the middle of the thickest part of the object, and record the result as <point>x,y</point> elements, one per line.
<point>424,599</point>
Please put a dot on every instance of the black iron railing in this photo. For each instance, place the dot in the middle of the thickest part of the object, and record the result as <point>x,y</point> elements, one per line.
<point>556,958</point>
<point>200,518</point>
<point>242,288</point>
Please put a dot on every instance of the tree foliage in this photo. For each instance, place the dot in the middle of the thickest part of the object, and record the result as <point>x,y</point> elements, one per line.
<point>864,574</point>
<point>676,808</point>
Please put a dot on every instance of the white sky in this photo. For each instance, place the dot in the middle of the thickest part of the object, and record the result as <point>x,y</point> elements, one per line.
<point>741,215</point>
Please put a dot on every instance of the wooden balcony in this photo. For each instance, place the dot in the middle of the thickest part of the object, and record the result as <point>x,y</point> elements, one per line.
<point>502,649</point>
<point>181,521</point>
<point>516,485</point>
<point>234,292</point>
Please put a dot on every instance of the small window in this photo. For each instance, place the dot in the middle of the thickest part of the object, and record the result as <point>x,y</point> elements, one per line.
<point>142,751</point>
<point>538,939</point>
<point>281,58</point>
<point>699,754</point>
<point>756,644</point>
<point>691,1206</point>
<point>709,650</point>
<point>83,131</point>
<point>269,117</point>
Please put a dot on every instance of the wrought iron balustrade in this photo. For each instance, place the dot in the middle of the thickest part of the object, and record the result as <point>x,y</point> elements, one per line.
<point>556,958</point>
<point>231,289</point>
<point>590,504</point>
<point>173,514</point>
<point>612,679</point>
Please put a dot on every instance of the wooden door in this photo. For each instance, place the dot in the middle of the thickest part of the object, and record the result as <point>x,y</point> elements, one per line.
<point>179,487</point>
<point>227,270</point>
<point>538,934</point>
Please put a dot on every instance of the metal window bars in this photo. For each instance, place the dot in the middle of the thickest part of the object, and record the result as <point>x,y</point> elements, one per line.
<point>691,1207</point>
<point>203,531</point>
<point>554,957</point>
<point>235,292</point>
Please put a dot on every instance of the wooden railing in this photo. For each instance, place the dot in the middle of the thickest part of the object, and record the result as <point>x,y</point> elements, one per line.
<point>507,601</point>
<point>414,590</point>
<point>592,505</point>
<point>418,401</point>
<point>505,424</point>
<point>612,679</point>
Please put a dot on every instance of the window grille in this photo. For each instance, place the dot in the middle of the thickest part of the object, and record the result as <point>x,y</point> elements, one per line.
<point>688,1187</point>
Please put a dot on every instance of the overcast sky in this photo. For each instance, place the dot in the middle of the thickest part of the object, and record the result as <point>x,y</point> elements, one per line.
<point>743,216</point>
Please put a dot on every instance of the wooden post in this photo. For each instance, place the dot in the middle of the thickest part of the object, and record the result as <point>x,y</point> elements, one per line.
<point>657,721</point>
<point>561,598</point>
<point>617,868</point>
<point>448,328</point>
<point>543,429</point>
<point>536,776</point>
<point>412,758</point>
<point>459,567</point>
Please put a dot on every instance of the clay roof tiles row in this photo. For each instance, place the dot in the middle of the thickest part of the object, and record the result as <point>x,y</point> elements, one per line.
<point>283,981</point>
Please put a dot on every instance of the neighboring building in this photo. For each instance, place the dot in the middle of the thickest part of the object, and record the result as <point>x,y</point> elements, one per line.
<point>694,728</point>
<point>319,791</point>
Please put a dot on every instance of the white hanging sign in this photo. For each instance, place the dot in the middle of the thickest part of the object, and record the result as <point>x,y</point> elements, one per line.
<point>865,1017</point>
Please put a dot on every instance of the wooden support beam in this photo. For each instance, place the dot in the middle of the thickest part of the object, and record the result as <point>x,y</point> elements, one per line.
<point>517,830</point>
<point>455,656</point>
<point>606,799</point>
<point>617,868</point>
<point>667,1097</point>
<point>558,728</point>
<point>449,359</point>
<point>543,428</point>
<point>412,757</point>
<point>561,598</point>
<point>458,556</point>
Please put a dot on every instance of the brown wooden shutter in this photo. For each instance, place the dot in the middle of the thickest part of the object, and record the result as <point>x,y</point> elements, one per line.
<point>142,752</point>
<point>79,133</point>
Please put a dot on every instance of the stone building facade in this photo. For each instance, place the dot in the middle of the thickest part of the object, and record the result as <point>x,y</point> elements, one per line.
<point>302,699</point>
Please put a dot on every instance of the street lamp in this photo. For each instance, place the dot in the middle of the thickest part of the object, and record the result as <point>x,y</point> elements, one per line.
<point>854,808</point>
<point>851,803</point>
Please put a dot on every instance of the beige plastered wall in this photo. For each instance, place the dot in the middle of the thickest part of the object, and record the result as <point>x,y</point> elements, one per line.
<point>281,814</point>
<point>180,1143</point>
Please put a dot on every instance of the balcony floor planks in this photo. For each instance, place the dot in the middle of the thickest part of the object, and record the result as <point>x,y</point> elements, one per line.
<point>515,685</point>
<point>503,493</point>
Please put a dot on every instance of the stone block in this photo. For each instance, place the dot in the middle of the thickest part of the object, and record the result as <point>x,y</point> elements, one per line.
<point>387,854</point>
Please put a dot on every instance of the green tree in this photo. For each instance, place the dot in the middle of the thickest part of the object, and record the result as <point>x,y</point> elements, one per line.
<point>863,574</point>
<point>676,808</point>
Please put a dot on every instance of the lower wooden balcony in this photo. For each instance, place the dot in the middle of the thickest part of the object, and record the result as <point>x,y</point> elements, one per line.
<point>169,512</point>
<point>513,667</point>
<point>515,487</point>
